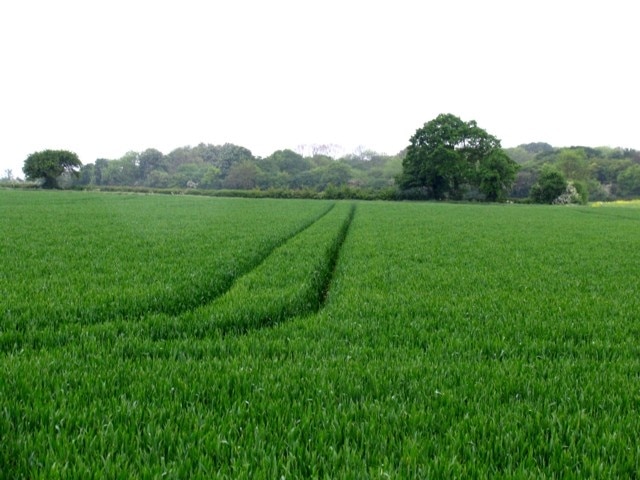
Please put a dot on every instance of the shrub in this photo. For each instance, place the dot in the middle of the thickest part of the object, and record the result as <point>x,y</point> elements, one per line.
<point>550,185</point>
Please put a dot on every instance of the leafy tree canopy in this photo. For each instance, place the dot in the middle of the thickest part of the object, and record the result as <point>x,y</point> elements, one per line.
<point>536,147</point>
<point>150,160</point>
<point>496,176</point>
<point>48,165</point>
<point>289,161</point>
<point>448,155</point>
<point>550,185</point>
<point>602,171</point>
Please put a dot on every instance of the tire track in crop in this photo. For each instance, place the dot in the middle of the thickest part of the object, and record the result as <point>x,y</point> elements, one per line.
<point>267,254</point>
<point>292,282</point>
<point>228,285</point>
<point>310,296</point>
<point>261,297</point>
<point>63,334</point>
<point>597,211</point>
<point>335,254</point>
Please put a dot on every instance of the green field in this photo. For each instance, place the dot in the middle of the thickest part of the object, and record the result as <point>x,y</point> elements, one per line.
<point>187,337</point>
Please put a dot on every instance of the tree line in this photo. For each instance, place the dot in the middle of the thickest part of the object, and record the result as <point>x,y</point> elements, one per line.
<point>600,173</point>
<point>230,166</point>
<point>447,159</point>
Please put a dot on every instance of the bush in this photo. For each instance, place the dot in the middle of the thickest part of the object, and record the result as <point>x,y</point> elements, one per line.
<point>568,197</point>
<point>583,192</point>
<point>550,185</point>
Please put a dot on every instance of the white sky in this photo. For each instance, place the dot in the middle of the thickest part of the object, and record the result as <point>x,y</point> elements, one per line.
<point>103,78</point>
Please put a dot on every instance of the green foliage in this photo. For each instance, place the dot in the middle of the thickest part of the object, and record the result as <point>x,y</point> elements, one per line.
<point>509,353</point>
<point>536,147</point>
<point>496,175</point>
<point>550,185</point>
<point>229,155</point>
<point>336,174</point>
<point>629,181</point>
<point>123,171</point>
<point>597,168</point>
<point>288,161</point>
<point>583,192</point>
<point>233,167</point>
<point>447,155</point>
<point>242,176</point>
<point>149,161</point>
<point>49,165</point>
<point>573,164</point>
<point>526,153</point>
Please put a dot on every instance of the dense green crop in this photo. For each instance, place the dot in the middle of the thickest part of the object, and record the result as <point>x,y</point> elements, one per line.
<point>415,340</point>
<point>87,258</point>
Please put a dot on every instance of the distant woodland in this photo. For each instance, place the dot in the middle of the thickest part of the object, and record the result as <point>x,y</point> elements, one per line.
<point>233,167</point>
<point>604,173</point>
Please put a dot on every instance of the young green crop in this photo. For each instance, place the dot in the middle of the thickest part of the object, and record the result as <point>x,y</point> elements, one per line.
<point>455,341</point>
<point>87,258</point>
<point>292,281</point>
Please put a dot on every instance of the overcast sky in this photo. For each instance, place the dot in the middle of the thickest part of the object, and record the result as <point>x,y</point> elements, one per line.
<point>103,78</point>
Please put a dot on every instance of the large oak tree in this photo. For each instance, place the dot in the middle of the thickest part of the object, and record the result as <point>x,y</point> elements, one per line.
<point>48,165</point>
<point>448,155</point>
